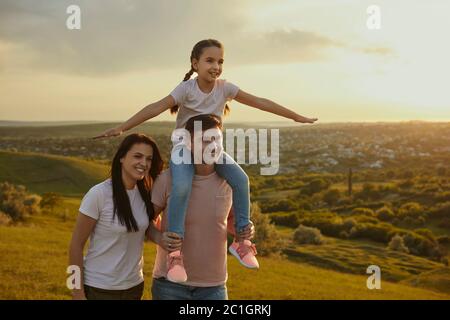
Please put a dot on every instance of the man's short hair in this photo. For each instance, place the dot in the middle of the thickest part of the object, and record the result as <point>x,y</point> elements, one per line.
<point>209,121</point>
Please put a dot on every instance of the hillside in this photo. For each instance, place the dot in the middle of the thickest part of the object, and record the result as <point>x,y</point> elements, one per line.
<point>48,173</point>
<point>33,267</point>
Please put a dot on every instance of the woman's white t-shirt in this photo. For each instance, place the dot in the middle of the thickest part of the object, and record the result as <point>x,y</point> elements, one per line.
<point>114,259</point>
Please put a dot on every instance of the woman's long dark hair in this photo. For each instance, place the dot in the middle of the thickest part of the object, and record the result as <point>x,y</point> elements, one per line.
<point>195,54</point>
<point>122,207</point>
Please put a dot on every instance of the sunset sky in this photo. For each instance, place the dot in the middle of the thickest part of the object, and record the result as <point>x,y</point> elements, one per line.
<point>317,57</point>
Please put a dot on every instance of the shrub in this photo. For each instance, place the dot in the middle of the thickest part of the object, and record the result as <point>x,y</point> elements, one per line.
<point>267,239</point>
<point>315,186</point>
<point>368,192</point>
<point>426,233</point>
<point>291,220</point>
<point>411,209</point>
<point>414,222</point>
<point>348,224</point>
<point>304,204</point>
<point>444,240</point>
<point>397,244</point>
<point>385,214</point>
<point>5,219</point>
<point>441,210</point>
<point>16,202</point>
<point>344,235</point>
<point>381,232</point>
<point>50,200</point>
<point>363,211</point>
<point>444,223</point>
<point>331,197</point>
<point>442,197</point>
<point>366,219</point>
<point>421,246</point>
<point>307,235</point>
<point>407,184</point>
<point>328,223</point>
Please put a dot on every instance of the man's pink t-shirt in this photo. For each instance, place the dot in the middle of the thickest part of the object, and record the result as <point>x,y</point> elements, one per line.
<point>205,239</point>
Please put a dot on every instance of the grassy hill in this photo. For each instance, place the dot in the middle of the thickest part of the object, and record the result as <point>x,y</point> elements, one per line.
<point>44,173</point>
<point>33,255</point>
<point>33,263</point>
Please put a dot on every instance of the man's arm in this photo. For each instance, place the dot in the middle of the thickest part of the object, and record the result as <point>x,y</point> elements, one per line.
<point>247,233</point>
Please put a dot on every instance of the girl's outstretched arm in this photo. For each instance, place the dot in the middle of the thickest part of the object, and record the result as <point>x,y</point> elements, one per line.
<point>148,112</point>
<point>270,106</point>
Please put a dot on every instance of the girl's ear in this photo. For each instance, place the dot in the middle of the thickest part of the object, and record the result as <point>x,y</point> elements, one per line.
<point>194,64</point>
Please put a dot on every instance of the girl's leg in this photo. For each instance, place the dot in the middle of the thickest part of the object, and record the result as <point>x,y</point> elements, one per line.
<point>182,175</point>
<point>238,180</point>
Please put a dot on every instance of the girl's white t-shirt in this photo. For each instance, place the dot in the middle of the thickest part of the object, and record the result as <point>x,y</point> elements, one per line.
<point>114,259</point>
<point>193,102</point>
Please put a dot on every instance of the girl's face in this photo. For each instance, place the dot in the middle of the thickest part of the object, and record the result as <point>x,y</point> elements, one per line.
<point>209,65</point>
<point>137,162</point>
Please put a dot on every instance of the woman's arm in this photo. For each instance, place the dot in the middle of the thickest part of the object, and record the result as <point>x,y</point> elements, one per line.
<point>146,113</point>
<point>153,231</point>
<point>270,106</point>
<point>83,229</point>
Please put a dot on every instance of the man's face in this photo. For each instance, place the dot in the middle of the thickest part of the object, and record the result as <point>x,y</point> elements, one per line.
<point>206,145</point>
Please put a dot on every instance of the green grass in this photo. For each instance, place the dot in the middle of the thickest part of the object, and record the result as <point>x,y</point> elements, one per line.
<point>355,256</point>
<point>43,173</point>
<point>34,255</point>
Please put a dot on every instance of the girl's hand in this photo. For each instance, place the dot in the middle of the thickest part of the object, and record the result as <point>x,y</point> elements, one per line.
<point>171,241</point>
<point>305,120</point>
<point>114,132</point>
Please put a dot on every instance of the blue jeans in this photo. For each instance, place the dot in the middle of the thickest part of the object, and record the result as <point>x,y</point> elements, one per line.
<point>163,289</point>
<point>182,176</point>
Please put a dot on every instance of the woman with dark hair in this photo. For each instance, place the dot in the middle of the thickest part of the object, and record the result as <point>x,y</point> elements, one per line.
<point>115,214</point>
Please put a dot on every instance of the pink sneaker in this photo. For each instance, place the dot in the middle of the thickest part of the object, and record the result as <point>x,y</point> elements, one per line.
<point>175,267</point>
<point>245,252</point>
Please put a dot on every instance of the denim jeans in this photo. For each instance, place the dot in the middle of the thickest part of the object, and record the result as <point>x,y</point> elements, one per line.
<point>163,289</point>
<point>182,176</point>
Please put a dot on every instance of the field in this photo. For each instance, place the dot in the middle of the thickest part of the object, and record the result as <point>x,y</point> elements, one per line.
<point>34,259</point>
<point>34,252</point>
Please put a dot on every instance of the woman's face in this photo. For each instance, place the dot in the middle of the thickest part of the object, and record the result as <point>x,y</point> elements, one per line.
<point>137,162</point>
<point>209,65</point>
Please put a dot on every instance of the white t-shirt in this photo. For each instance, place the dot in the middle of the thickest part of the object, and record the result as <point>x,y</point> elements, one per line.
<point>193,102</point>
<point>114,258</point>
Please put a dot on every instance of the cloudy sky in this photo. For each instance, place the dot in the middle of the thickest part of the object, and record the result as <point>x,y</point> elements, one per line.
<point>315,56</point>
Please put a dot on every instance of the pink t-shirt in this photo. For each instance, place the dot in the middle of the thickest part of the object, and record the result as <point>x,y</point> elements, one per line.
<point>205,240</point>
